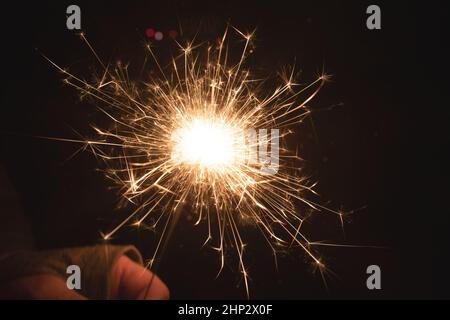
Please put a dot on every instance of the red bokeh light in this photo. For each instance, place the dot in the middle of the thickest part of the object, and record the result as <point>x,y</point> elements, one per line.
<point>173,34</point>
<point>149,32</point>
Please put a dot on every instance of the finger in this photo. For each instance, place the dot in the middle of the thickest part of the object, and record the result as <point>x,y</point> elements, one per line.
<point>133,281</point>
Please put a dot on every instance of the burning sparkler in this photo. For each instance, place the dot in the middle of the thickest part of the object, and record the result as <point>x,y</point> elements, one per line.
<point>198,135</point>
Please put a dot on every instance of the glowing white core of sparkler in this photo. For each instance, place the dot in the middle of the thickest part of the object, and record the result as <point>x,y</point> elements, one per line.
<point>210,143</point>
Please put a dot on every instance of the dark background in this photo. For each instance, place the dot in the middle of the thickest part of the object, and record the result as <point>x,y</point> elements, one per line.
<point>363,151</point>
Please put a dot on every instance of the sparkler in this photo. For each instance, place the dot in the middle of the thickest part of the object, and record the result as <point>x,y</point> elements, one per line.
<point>181,138</point>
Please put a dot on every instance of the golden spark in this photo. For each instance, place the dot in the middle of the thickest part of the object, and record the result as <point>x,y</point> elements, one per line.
<point>182,138</point>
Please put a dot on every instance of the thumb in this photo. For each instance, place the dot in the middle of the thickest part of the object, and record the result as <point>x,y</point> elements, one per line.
<point>133,281</point>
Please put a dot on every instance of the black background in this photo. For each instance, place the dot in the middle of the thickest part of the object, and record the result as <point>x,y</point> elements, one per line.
<point>363,152</point>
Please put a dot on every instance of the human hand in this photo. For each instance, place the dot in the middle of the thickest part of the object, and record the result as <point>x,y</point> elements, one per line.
<point>127,280</point>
